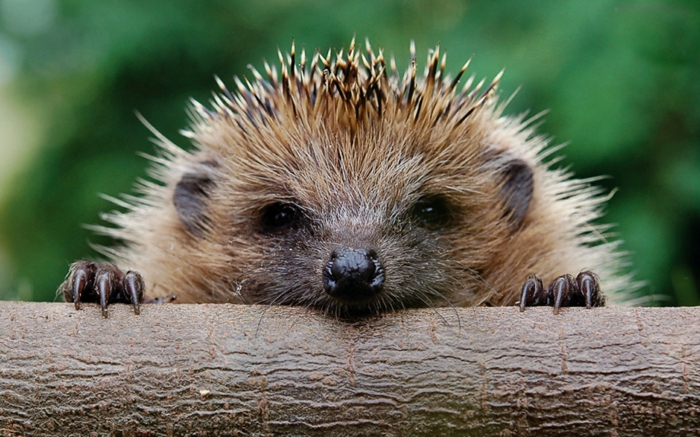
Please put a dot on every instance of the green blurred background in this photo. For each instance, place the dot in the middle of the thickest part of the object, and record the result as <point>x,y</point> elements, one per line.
<point>621,81</point>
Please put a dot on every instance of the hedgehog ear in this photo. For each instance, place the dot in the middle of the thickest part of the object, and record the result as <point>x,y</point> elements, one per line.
<point>516,180</point>
<point>517,190</point>
<point>192,193</point>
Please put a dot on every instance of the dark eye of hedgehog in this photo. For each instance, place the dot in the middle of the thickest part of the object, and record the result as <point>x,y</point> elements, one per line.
<point>280,217</point>
<point>432,212</point>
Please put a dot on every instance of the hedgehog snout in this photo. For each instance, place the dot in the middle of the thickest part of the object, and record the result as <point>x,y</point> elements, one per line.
<point>353,275</point>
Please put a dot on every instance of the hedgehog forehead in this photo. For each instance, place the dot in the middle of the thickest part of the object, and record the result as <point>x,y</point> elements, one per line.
<point>329,173</point>
<point>383,163</point>
<point>366,185</point>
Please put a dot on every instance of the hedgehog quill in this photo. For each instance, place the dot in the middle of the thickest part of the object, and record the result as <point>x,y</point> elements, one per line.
<point>341,185</point>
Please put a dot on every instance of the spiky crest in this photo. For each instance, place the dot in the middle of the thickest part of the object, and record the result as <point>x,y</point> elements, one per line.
<point>363,82</point>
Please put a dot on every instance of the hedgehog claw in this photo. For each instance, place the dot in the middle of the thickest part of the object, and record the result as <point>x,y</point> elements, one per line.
<point>588,284</point>
<point>563,291</point>
<point>560,291</point>
<point>133,288</point>
<point>103,287</point>
<point>83,276</point>
<point>104,283</point>
<point>532,293</point>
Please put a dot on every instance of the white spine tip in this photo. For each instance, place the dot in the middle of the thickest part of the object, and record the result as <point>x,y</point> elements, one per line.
<point>220,83</point>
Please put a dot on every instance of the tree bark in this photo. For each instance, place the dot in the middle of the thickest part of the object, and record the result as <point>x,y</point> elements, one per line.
<point>247,370</point>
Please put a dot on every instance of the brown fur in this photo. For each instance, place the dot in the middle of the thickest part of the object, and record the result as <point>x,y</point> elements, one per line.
<point>355,147</point>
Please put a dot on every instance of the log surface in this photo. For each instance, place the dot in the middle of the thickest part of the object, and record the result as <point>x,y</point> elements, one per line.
<point>247,370</point>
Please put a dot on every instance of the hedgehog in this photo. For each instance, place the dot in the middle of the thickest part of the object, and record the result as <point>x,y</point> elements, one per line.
<point>340,185</point>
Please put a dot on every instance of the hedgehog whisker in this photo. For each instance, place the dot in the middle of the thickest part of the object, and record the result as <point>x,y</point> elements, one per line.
<point>429,303</point>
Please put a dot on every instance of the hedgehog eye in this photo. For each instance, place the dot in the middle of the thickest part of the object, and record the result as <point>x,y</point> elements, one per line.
<point>280,217</point>
<point>432,212</point>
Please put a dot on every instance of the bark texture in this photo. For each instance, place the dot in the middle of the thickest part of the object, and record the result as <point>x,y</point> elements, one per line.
<point>246,370</point>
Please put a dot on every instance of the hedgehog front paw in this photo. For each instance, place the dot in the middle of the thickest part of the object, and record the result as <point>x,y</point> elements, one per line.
<point>563,291</point>
<point>104,283</point>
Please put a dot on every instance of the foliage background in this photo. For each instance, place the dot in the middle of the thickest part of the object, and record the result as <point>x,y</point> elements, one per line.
<point>621,80</point>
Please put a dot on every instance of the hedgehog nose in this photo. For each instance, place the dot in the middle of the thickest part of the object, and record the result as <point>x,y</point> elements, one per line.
<point>353,275</point>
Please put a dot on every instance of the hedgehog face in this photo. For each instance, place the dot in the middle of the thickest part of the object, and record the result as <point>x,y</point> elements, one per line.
<point>352,224</point>
<point>345,188</point>
<point>349,243</point>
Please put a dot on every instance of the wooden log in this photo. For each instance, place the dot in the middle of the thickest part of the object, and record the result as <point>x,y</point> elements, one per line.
<point>247,370</point>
